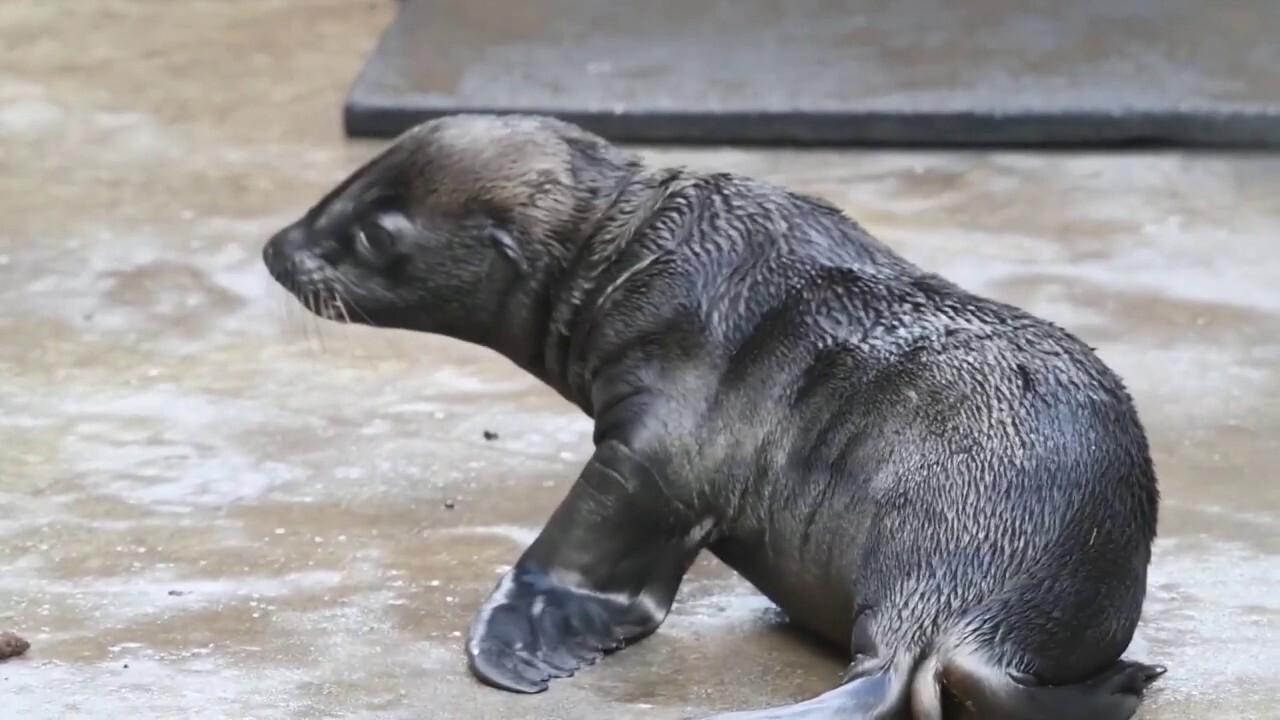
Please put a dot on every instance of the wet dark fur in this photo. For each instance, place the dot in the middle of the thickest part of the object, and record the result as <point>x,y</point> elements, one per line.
<point>956,490</point>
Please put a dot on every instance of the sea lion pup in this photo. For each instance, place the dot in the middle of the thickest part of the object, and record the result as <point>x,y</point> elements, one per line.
<point>958,492</point>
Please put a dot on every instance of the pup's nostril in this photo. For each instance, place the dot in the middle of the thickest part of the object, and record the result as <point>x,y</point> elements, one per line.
<point>277,254</point>
<point>277,251</point>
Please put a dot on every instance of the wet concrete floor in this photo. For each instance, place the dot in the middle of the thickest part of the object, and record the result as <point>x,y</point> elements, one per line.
<point>213,507</point>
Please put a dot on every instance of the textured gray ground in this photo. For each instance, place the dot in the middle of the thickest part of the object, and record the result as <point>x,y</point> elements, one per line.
<point>248,510</point>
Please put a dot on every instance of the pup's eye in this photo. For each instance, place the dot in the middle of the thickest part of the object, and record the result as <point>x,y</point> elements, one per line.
<point>362,243</point>
<point>372,241</point>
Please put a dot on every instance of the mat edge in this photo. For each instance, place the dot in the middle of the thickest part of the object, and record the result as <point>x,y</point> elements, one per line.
<point>367,116</point>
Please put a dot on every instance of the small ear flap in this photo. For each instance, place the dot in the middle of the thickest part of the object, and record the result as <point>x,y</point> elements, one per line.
<point>506,244</point>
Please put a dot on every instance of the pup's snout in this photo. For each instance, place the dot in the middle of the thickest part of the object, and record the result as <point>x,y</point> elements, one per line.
<point>281,245</point>
<point>280,253</point>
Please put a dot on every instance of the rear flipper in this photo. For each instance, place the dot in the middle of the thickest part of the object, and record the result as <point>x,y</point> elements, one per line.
<point>879,695</point>
<point>983,691</point>
<point>968,688</point>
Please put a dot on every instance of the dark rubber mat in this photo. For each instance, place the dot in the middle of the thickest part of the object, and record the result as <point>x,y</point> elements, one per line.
<point>893,72</point>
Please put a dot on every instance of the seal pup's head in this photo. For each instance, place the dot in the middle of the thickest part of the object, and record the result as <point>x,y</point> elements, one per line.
<point>454,229</point>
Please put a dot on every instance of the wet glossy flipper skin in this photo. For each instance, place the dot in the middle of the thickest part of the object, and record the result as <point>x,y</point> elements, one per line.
<point>602,573</point>
<point>964,687</point>
<point>858,698</point>
<point>534,628</point>
<point>990,692</point>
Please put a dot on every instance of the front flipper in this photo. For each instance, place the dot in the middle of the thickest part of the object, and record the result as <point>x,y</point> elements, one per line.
<point>602,573</point>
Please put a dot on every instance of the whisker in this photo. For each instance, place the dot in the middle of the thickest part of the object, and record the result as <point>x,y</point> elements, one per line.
<point>341,304</point>
<point>342,307</point>
<point>296,333</point>
<point>298,321</point>
<point>306,319</point>
<point>343,289</point>
<point>347,283</point>
<point>314,298</point>
<point>336,311</point>
<point>283,307</point>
